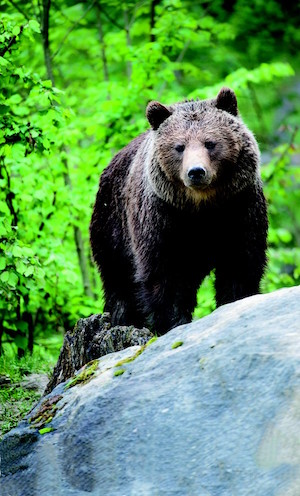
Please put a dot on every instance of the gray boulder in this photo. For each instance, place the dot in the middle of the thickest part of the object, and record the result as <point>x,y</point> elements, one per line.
<point>209,409</point>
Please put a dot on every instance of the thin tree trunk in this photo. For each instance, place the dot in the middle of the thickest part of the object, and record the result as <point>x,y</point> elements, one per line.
<point>154,3</point>
<point>45,35</point>
<point>80,247</point>
<point>102,44</point>
<point>14,223</point>
<point>128,41</point>
<point>77,232</point>
<point>27,317</point>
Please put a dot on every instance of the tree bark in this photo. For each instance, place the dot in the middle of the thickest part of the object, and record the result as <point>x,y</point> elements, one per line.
<point>90,339</point>
<point>102,44</point>
<point>128,41</point>
<point>154,3</point>
<point>45,35</point>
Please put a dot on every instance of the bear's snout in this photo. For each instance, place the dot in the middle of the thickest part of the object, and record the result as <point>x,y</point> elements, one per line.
<point>197,175</point>
<point>196,171</point>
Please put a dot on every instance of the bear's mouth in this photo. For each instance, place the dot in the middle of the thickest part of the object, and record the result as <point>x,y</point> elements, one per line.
<point>204,186</point>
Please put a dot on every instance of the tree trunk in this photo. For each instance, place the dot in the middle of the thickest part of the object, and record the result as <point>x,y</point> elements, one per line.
<point>90,339</point>
<point>77,232</point>
<point>154,3</point>
<point>102,44</point>
<point>128,40</point>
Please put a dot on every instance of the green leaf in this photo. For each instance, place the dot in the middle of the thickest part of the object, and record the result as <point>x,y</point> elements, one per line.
<point>22,326</point>
<point>29,271</point>
<point>13,279</point>
<point>3,110</point>
<point>17,251</point>
<point>16,30</point>
<point>2,263</point>
<point>47,83</point>
<point>34,26</point>
<point>21,342</point>
<point>284,235</point>
<point>20,266</point>
<point>3,62</point>
<point>4,276</point>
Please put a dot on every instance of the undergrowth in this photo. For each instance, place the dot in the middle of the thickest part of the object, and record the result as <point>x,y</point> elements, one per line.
<point>16,401</point>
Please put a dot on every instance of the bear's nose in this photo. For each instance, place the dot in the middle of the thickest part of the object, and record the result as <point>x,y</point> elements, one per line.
<point>197,174</point>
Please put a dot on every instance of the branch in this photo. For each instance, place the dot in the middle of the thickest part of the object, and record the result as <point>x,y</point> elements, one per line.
<point>16,6</point>
<point>71,29</point>
<point>11,42</point>
<point>285,152</point>
<point>179,59</point>
<point>42,225</point>
<point>135,9</point>
<point>113,21</point>
<point>56,7</point>
<point>79,246</point>
<point>9,198</point>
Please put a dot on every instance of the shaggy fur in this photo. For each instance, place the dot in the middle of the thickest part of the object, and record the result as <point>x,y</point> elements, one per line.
<point>159,225</point>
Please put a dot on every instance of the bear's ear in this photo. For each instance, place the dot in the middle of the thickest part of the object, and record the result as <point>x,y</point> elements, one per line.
<point>226,100</point>
<point>156,114</point>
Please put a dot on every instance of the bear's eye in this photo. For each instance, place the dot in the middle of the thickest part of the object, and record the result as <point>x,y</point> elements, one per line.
<point>210,145</point>
<point>179,148</point>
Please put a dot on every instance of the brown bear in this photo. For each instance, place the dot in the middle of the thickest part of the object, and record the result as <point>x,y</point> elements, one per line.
<point>178,201</point>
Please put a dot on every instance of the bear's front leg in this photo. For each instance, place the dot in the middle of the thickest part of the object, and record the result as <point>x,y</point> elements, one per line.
<point>166,304</point>
<point>239,272</point>
<point>231,286</point>
<point>241,259</point>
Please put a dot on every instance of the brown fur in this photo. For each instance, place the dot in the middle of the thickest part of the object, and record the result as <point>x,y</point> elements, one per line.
<point>154,213</point>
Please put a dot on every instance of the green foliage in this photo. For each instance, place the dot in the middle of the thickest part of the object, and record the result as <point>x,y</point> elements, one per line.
<point>15,401</point>
<point>282,178</point>
<point>73,94</point>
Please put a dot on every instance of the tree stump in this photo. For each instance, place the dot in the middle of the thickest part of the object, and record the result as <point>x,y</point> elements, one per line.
<point>92,338</point>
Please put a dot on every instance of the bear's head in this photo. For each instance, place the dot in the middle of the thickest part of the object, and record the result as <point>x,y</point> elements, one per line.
<point>201,149</point>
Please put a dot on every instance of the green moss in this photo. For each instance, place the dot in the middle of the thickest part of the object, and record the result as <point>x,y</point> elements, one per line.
<point>152,340</point>
<point>85,375</point>
<point>138,353</point>
<point>131,358</point>
<point>177,344</point>
<point>46,430</point>
<point>45,414</point>
<point>119,372</point>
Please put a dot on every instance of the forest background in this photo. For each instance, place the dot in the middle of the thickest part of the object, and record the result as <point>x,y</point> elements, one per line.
<point>75,80</point>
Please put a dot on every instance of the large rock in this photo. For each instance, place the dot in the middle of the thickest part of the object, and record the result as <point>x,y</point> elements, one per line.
<point>211,408</point>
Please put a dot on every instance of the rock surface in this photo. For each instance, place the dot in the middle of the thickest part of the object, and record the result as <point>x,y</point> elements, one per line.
<point>211,408</point>
<point>35,382</point>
